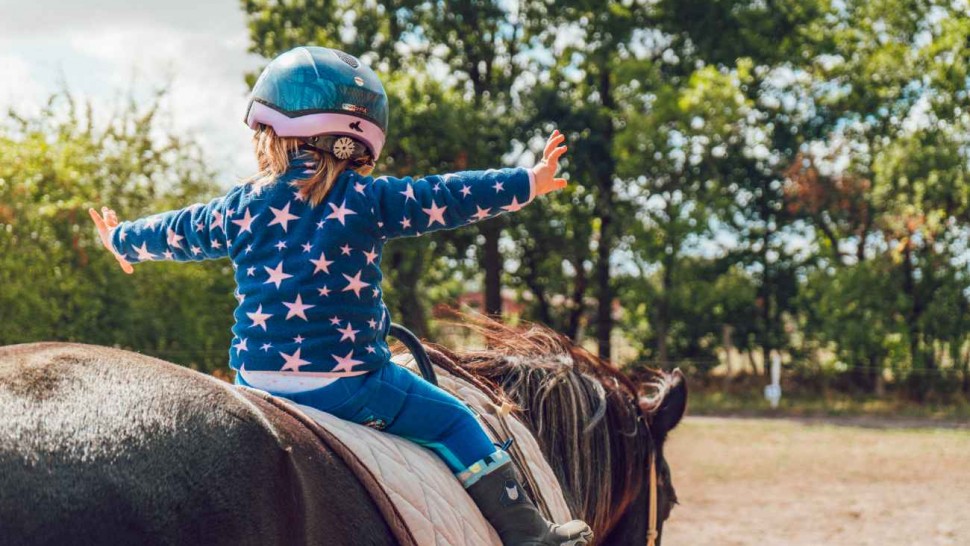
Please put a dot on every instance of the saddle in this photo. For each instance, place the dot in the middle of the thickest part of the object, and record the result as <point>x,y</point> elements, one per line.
<point>415,491</point>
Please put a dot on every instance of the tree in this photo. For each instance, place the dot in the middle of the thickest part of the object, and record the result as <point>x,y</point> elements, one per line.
<point>58,281</point>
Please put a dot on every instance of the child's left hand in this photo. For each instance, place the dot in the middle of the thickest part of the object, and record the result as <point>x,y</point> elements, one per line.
<point>545,170</point>
<point>104,225</point>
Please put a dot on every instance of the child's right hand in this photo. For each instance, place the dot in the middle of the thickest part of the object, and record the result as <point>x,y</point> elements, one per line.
<point>104,226</point>
<point>545,170</point>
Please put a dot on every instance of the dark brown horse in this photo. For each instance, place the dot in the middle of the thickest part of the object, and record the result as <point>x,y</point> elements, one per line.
<point>104,446</point>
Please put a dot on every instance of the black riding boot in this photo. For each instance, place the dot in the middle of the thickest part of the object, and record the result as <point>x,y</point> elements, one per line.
<point>503,502</point>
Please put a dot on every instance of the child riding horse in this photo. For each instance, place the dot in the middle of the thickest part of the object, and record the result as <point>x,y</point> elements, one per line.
<point>305,237</point>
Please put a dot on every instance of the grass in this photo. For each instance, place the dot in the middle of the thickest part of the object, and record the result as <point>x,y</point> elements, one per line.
<point>753,404</point>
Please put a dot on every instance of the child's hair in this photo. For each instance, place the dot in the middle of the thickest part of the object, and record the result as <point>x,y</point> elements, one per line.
<point>272,157</point>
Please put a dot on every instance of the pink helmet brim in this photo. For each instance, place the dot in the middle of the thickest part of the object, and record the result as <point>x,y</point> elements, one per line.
<point>328,123</point>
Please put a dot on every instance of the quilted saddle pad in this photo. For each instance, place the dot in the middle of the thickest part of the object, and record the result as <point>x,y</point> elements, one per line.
<point>429,499</point>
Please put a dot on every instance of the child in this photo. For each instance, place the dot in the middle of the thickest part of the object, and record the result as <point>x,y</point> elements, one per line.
<point>305,238</point>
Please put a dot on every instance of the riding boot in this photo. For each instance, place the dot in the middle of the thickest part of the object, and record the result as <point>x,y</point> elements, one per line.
<point>504,503</point>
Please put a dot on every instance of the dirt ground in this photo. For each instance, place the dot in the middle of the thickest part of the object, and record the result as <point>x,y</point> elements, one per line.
<point>782,482</point>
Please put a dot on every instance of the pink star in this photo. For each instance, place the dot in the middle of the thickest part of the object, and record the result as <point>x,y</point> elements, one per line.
<point>482,213</point>
<point>168,255</point>
<point>297,308</point>
<point>293,361</point>
<point>346,363</point>
<point>298,195</point>
<point>345,250</point>
<point>200,226</point>
<point>276,276</point>
<point>377,292</point>
<point>259,317</point>
<point>371,349</point>
<point>437,187</point>
<point>215,244</point>
<point>143,253</point>
<point>359,187</point>
<point>436,214</point>
<point>323,264</point>
<point>298,339</point>
<point>408,193</point>
<point>372,323</point>
<point>307,247</point>
<point>514,205</point>
<point>348,333</point>
<point>280,245</point>
<point>465,191</point>
<point>340,213</point>
<point>196,250</point>
<point>246,223</point>
<point>499,186</point>
<point>282,216</point>
<point>371,256</point>
<point>241,346</point>
<point>335,321</point>
<point>324,291</point>
<point>355,283</point>
<point>406,223</point>
<point>174,238</point>
<point>216,220</point>
<point>250,271</point>
<point>266,346</point>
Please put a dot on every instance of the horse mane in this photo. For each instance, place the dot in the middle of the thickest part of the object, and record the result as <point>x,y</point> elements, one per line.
<point>582,409</point>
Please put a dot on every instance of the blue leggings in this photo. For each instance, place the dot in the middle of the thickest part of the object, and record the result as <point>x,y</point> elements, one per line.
<point>397,401</point>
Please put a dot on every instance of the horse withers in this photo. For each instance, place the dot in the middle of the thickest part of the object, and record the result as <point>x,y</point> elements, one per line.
<point>104,446</point>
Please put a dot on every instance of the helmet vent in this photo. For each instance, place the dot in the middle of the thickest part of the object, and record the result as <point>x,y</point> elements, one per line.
<point>347,59</point>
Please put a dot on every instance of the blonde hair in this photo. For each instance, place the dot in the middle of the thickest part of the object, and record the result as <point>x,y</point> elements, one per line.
<point>273,158</point>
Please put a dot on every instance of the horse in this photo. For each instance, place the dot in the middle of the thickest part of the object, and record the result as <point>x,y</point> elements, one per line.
<point>104,446</point>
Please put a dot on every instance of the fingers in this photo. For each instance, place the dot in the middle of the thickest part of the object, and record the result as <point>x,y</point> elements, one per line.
<point>125,266</point>
<point>555,139</point>
<point>98,221</point>
<point>110,218</point>
<point>557,153</point>
<point>560,183</point>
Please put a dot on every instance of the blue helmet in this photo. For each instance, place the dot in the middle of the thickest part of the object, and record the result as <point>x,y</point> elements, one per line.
<point>322,95</point>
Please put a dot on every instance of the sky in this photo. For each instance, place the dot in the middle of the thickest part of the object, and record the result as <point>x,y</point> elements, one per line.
<point>101,50</point>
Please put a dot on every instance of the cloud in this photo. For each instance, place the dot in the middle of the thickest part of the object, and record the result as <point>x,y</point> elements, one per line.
<point>18,85</point>
<point>104,51</point>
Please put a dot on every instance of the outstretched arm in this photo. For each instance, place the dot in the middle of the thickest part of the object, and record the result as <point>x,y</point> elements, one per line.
<point>197,232</point>
<point>407,207</point>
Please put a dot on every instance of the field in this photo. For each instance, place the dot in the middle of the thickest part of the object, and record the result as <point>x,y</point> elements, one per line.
<point>787,482</point>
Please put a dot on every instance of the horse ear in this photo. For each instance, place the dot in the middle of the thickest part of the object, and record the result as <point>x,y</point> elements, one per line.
<point>672,407</point>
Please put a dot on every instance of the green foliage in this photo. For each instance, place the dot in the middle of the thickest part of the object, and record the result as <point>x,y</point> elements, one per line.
<point>789,175</point>
<point>58,281</point>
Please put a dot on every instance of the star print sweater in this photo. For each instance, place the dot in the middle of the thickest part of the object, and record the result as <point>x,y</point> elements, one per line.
<point>309,278</point>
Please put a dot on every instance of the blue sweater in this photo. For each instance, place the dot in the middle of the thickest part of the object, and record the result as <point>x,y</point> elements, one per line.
<point>308,278</point>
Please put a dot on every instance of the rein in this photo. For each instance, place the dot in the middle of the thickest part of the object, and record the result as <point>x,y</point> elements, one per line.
<point>652,532</point>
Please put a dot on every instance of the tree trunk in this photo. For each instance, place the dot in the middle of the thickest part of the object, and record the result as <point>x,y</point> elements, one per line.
<point>728,343</point>
<point>493,265</point>
<point>604,212</point>
<point>410,310</point>
<point>579,304</point>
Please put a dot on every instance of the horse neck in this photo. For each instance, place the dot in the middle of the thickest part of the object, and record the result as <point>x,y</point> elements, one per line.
<point>599,465</point>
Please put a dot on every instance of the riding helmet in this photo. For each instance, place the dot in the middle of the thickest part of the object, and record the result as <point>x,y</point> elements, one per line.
<point>323,95</point>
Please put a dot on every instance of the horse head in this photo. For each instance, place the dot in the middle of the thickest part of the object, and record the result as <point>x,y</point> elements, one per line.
<point>599,431</point>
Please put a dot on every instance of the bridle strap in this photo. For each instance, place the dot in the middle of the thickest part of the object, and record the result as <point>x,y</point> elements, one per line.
<point>652,533</point>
